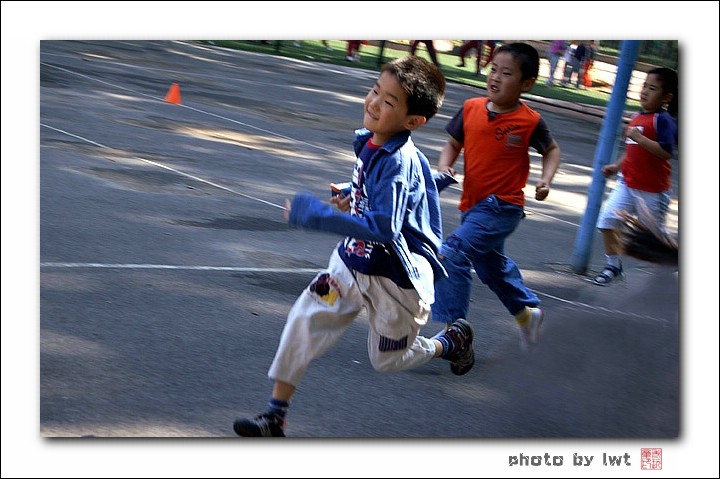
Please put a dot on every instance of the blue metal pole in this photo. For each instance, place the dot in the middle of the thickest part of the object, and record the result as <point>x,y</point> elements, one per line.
<point>603,153</point>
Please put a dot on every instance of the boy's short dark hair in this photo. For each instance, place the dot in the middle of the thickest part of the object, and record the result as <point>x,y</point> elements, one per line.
<point>669,79</point>
<point>526,54</point>
<point>423,82</point>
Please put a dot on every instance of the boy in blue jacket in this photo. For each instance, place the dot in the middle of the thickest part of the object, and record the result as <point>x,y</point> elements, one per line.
<point>387,262</point>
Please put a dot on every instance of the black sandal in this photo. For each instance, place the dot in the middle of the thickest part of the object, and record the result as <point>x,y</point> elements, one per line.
<point>607,275</point>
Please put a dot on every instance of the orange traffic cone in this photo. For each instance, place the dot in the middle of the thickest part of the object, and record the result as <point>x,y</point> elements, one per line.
<point>173,94</point>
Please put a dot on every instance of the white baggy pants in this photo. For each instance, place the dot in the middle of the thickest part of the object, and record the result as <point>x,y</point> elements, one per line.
<point>328,306</point>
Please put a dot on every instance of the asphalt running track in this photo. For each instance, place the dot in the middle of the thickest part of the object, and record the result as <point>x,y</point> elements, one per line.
<point>166,269</point>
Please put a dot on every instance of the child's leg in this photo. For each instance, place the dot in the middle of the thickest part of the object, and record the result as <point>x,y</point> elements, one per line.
<point>481,235</point>
<point>432,52</point>
<point>315,323</point>
<point>481,240</point>
<point>611,242</point>
<point>283,391</point>
<point>503,277</point>
<point>479,56</point>
<point>395,316</point>
<point>652,208</point>
<point>317,320</point>
<point>492,45</point>
<point>621,198</point>
<point>452,294</point>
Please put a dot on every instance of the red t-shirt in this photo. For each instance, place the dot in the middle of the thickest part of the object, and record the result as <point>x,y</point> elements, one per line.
<point>641,169</point>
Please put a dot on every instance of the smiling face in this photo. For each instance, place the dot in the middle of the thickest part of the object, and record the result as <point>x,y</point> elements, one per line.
<point>652,97</point>
<point>505,83</point>
<point>386,109</point>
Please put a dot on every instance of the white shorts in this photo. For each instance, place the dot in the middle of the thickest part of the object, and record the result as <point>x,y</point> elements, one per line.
<point>647,206</point>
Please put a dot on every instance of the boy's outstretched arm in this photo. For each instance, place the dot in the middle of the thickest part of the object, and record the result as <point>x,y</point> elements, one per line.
<point>449,155</point>
<point>551,163</point>
<point>342,203</point>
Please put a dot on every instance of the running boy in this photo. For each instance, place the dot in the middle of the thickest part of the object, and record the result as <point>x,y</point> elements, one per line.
<point>643,185</point>
<point>388,262</point>
<point>494,134</point>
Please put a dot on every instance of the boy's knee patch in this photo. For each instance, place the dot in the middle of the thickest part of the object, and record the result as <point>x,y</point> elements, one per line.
<point>325,289</point>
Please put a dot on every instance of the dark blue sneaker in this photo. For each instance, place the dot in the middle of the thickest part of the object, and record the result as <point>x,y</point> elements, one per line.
<point>463,358</point>
<point>264,425</point>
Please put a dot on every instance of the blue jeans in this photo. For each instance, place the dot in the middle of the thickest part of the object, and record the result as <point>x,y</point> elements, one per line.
<point>479,243</point>
<point>554,59</point>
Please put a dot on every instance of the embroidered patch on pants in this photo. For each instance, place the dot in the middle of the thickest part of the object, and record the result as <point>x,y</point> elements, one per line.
<point>387,344</point>
<point>325,289</point>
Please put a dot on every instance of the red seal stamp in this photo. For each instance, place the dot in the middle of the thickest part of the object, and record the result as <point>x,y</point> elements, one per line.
<point>651,458</point>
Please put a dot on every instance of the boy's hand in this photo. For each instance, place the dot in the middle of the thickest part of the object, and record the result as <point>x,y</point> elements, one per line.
<point>286,211</point>
<point>541,190</point>
<point>634,133</point>
<point>447,169</point>
<point>342,202</point>
<point>610,170</point>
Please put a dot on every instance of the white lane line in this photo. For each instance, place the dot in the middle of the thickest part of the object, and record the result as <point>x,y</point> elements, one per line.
<point>174,170</point>
<point>178,267</point>
<point>601,309</point>
<point>560,220</point>
<point>240,269</point>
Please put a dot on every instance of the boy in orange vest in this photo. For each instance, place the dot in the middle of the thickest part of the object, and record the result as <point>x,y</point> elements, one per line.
<point>494,134</point>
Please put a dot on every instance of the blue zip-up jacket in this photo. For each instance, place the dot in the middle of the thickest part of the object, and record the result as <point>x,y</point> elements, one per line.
<point>403,210</point>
